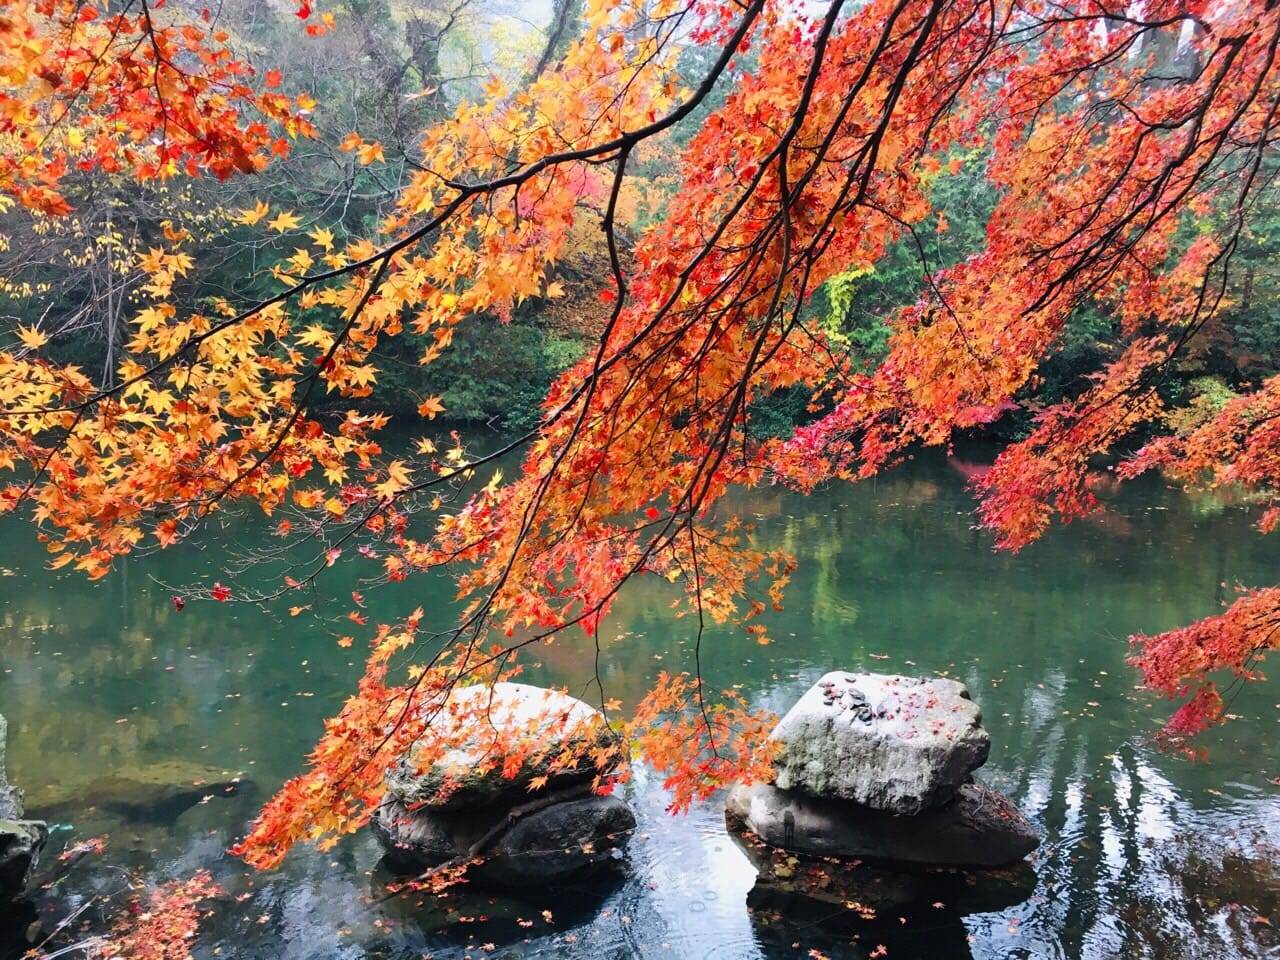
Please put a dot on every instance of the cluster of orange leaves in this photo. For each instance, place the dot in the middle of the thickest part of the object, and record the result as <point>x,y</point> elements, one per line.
<point>1092,199</point>
<point>700,748</point>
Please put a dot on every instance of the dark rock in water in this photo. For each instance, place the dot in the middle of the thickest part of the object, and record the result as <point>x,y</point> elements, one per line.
<point>20,929</point>
<point>551,844</point>
<point>20,844</point>
<point>979,828</point>
<point>476,913</point>
<point>900,744</point>
<point>425,838</point>
<point>560,841</point>
<point>913,912</point>
<point>20,840</point>
<point>462,780</point>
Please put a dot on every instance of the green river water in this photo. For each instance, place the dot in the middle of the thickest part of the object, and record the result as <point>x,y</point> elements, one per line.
<point>1145,854</point>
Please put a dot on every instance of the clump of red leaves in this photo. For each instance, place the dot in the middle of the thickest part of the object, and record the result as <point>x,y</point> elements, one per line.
<point>163,926</point>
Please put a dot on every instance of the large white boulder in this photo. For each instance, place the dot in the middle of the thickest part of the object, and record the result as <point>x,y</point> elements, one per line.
<point>893,743</point>
<point>472,774</point>
<point>532,825</point>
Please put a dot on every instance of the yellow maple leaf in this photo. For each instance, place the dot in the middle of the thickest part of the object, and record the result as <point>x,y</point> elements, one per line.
<point>307,498</point>
<point>32,338</point>
<point>302,260</point>
<point>431,408</point>
<point>397,479</point>
<point>284,221</point>
<point>317,336</point>
<point>322,237</point>
<point>253,215</point>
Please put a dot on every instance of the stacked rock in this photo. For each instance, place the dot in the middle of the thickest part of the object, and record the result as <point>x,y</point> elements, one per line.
<point>458,808</point>
<point>20,840</point>
<point>880,766</point>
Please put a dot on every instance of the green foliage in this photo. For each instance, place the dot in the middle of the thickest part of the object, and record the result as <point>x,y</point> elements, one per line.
<point>777,414</point>
<point>494,373</point>
<point>860,301</point>
<point>854,307</point>
<point>1212,393</point>
<point>1089,337</point>
<point>1252,319</point>
<point>864,333</point>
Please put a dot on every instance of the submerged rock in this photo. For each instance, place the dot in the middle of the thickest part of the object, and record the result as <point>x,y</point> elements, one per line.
<point>462,781</point>
<point>898,744</point>
<point>149,793</point>
<point>978,828</point>
<point>551,844</point>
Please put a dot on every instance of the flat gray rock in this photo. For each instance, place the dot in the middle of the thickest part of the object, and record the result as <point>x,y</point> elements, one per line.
<point>463,779</point>
<point>899,744</point>
<point>979,828</point>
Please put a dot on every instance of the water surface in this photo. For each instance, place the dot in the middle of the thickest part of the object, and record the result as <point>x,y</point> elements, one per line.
<point>1145,854</point>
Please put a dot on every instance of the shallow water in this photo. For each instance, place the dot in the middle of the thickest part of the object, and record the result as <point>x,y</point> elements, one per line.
<point>1145,854</point>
